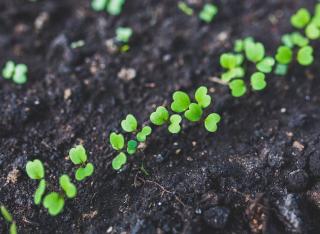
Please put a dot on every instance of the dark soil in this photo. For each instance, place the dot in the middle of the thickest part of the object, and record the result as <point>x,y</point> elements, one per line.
<point>259,173</point>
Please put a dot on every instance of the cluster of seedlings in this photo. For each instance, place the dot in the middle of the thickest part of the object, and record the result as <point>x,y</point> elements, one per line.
<point>207,13</point>
<point>54,201</point>
<point>182,108</point>
<point>9,219</point>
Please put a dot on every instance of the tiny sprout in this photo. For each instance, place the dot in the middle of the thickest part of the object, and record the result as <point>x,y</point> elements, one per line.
<point>301,18</point>
<point>194,112</point>
<point>99,5</point>
<point>68,187</point>
<point>142,135</point>
<point>174,126</point>
<point>35,169</point>
<point>181,101</point>
<point>160,116</point>
<point>208,12</point>
<point>13,228</point>
<point>254,51</point>
<point>299,40</point>
<point>84,172</point>
<point>8,70</point>
<point>116,141</point>
<point>281,69</point>
<point>305,56</point>
<point>266,65</point>
<point>78,155</point>
<point>6,214</point>
<point>123,34</point>
<point>129,124</point>
<point>312,31</point>
<point>39,192</point>
<point>258,81</point>
<point>132,147</point>
<point>201,96</point>
<point>18,73</point>
<point>284,55</point>
<point>185,8</point>
<point>115,6</point>
<point>211,122</point>
<point>119,161</point>
<point>54,202</point>
<point>228,60</point>
<point>238,88</point>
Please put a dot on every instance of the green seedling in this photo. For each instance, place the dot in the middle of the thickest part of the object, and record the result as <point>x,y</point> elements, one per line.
<point>99,5</point>
<point>299,40</point>
<point>287,40</point>
<point>254,51</point>
<point>181,101</point>
<point>266,65</point>
<point>208,12</point>
<point>194,112</point>
<point>185,8</point>
<point>40,191</point>
<point>8,218</point>
<point>132,147</point>
<point>129,124</point>
<point>84,172</point>
<point>258,81</point>
<point>68,187</point>
<point>281,69</point>
<point>238,88</point>
<point>79,157</point>
<point>35,169</point>
<point>54,202</point>
<point>117,141</point>
<point>202,98</point>
<point>312,31</point>
<point>228,61</point>
<point>142,135</point>
<point>174,126</point>
<point>160,116</point>
<point>113,7</point>
<point>18,73</point>
<point>305,56</point>
<point>301,18</point>
<point>284,55</point>
<point>123,34</point>
<point>237,72</point>
<point>119,161</point>
<point>211,122</point>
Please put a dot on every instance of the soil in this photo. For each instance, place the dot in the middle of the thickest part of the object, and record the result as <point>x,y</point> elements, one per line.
<point>259,173</point>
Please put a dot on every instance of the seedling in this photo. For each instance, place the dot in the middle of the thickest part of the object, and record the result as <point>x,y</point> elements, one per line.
<point>181,102</point>
<point>54,202</point>
<point>301,18</point>
<point>208,12</point>
<point>194,112</point>
<point>238,88</point>
<point>185,8</point>
<point>8,218</point>
<point>305,56</point>
<point>117,141</point>
<point>281,69</point>
<point>211,122</point>
<point>123,34</point>
<point>201,96</point>
<point>119,161</point>
<point>284,55</point>
<point>160,116</point>
<point>258,81</point>
<point>113,7</point>
<point>254,51</point>
<point>132,147</point>
<point>78,156</point>
<point>129,124</point>
<point>312,31</point>
<point>299,40</point>
<point>266,65</point>
<point>174,126</point>
<point>18,73</point>
<point>142,135</point>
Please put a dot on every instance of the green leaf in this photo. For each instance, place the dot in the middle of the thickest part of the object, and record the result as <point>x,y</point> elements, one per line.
<point>123,34</point>
<point>6,214</point>
<point>99,5</point>
<point>312,31</point>
<point>35,169</point>
<point>8,70</point>
<point>194,112</point>
<point>258,81</point>
<point>208,12</point>
<point>116,141</point>
<point>132,147</point>
<point>254,51</point>
<point>115,7</point>
<point>13,228</point>
<point>287,40</point>
<point>142,135</point>
<point>68,187</point>
<point>181,101</point>
<point>305,56</point>
<point>284,55</point>
<point>201,96</point>
<point>299,40</point>
<point>78,155</point>
<point>89,169</point>
<point>211,122</point>
<point>228,61</point>
<point>20,74</point>
<point>129,124</point>
<point>238,46</point>
<point>281,69</point>
<point>238,88</point>
<point>237,72</point>
<point>160,116</point>
<point>174,126</point>
<point>54,203</point>
<point>84,172</point>
<point>37,197</point>
<point>266,65</point>
<point>119,161</point>
<point>301,18</point>
<point>185,8</point>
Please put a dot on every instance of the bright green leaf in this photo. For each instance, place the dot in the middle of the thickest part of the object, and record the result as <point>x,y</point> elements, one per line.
<point>119,161</point>
<point>142,135</point>
<point>202,97</point>
<point>266,65</point>
<point>181,101</point>
<point>13,228</point>
<point>6,214</point>
<point>284,55</point>
<point>8,70</point>
<point>37,197</point>
<point>54,203</point>
<point>211,122</point>
<point>114,7</point>
<point>312,31</point>
<point>160,116</point>
<point>208,12</point>
<point>238,88</point>
<point>123,34</point>
<point>99,5</point>
<point>305,56</point>
<point>301,18</point>
<point>194,112</point>
<point>78,155</point>
<point>116,141</point>
<point>174,126</point>
<point>228,61</point>
<point>129,124</point>
<point>254,51</point>
<point>68,187</point>
<point>258,81</point>
<point>132,147</point>
<point>35,169</point>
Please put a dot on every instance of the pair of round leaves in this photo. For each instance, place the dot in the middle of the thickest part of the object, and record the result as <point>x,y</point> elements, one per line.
<point>208,12</point>
<point>258,81</point>
<point>18,73</point>
<point>129,124</point>
<point>305,56</point>
<point>238,88</point>
<point>211,122</point>
<point>301,18</point>
<point>119,161</point>
<point>78,156</point>
<point>266,65</point>
<point>313,31</point>
<point>113,7</point>
<point>8,217</point>
<point>35,169</point>
<point>68,187</point>
<point>284,55</point>
<point>254,51</point>
<point>54,202</point>
<point>123,34</point>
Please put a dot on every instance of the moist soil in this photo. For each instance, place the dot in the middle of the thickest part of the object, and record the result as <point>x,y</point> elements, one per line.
<point>259,173</point>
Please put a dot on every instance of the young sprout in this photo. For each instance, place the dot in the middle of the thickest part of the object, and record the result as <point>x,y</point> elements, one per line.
<point>99,5</point>
<point>160,116</point>
<point>238,88</point>
<point>266,65</point>
<point>201,96</point>
<point>194,112</point>
<point>174,126</point>
<point>211,122</point>
<point>254,51</point>
<point>208,12</point>
<point>123,34</point>
<point>132,147</point>
<point>129,124</point>
<point>142,135</point>
<point>305,56</point>
<point>284,55</point>
<point>40,192</point>
<point>301,18</point>
<point>68,187</point>
<point>54,202</point>
<point>115,6</point>
<point>258,81</point>
<point>312,31</point>
<point>8,217</point>
<point>35,169</point>
<point>185,8</point>
<point>78,156</point>
<point>299,40</point>
<point>228,61</point>
<point>18,73</point>
<point>181,101</point>
<point>117,141</point>
<point>119,161</point>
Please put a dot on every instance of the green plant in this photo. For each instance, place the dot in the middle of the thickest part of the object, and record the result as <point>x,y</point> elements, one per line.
<point>258,81</point>
<point>123,34</point>
<point>254,51</point>
<point>16,72</point>
<point>238,88</point>
<point>301,18</point>
<point>305,56</point>
<point>284,55</point>
<point>113,7</point>
<point>79,157</point>
<point>185,8</point>
<point>208,12</point>
<point>9,219</point>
